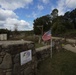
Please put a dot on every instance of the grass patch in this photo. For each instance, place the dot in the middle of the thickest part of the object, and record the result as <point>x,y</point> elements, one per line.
<point>62,63</point>
<point>37,45</point>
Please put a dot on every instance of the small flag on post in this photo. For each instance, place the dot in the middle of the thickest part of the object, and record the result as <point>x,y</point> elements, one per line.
<point>47,36</point>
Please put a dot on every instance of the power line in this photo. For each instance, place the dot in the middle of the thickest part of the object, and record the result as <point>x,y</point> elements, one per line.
<point>67,3</point>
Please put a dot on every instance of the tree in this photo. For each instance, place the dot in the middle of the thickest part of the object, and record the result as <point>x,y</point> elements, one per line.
<point>15,29</point>
<point>58,26</point>
<point>61,25</point>
<point>41,25</point>
<point>42,21</point>
<point>71,17</point>
<point>54,13</point>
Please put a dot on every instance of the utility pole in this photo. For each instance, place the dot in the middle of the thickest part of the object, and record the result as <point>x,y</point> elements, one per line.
<point>41,28</point>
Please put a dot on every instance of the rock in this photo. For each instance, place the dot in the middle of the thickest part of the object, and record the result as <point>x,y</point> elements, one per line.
<point>16,69</point>
<point>28,71</point>
<point>30,46</point>
<point>8,70</point>
<point>1,72</point>
<point>0,60</point>
<point>8,73</point>
<point>2,54</point>
<point>10,59</point>
<point>16,58</point>
<point>0,48</point>
<point>7,62</point>
<point>22,73</point>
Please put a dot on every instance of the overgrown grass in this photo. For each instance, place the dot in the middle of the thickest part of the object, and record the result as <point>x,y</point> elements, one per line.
<point>37,45</point>
<point>62,63</point>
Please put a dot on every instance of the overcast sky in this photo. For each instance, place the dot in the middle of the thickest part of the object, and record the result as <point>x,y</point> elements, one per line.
<point>23,12</point>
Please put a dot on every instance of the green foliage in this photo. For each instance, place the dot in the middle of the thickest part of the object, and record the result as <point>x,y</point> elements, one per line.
<point>60,24</point>
<point>71,16</point>
<point>70,34</point>
<point>54,13</point>
<point>58,28</point>
<point>42,21</point>
<point>3,31</point>
<point>37,45</point>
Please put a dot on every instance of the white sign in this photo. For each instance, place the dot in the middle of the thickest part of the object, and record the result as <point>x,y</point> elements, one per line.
<point>26,56</point>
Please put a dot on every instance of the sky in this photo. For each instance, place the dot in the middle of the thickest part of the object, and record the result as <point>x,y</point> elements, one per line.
<point>22,13</point>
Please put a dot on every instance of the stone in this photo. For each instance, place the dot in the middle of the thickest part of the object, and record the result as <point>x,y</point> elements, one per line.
<point>10,63</point>
<point>8,70</point>
<point>22,73</point>
<point>2,54</point>
<point>16,69</point>
<point>8,73</point>
<point>30,46</point>
<point>16,58</point>
<point>0,60</point>
<point>1,72</point>
<point>27,71</point>
<point>7,62</point>
<point>0,48</point>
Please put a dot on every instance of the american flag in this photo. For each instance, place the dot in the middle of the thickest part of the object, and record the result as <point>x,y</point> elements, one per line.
<point>47,35</point>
